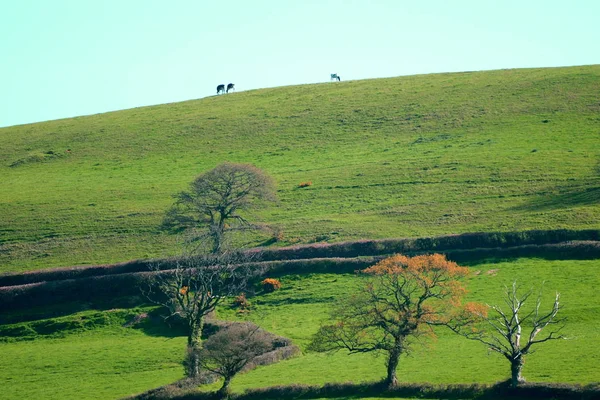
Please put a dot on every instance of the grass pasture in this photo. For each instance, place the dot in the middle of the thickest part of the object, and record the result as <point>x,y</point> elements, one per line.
<point>415,156</point>
<point>101,362</point>
<point>295,310</point>
<point>111,361</point>
<point>399,157</point>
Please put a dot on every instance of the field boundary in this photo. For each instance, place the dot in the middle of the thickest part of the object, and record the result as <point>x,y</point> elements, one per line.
<point>500,390</point>
<point>458,244</point>
<point>100,288</point>
<point>464,241</point>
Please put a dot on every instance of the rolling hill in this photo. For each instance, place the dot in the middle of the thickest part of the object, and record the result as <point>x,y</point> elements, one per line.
<point>410,156</point>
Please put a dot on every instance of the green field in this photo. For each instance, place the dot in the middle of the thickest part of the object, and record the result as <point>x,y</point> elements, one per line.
<point>414,156</point>
<point>296,310</point>
<point>112,361</point>
<point>407,156</point>
<point>102,362</point>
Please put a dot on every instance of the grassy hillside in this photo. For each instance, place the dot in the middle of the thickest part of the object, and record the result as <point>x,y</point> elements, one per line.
<point>97,357</point>
<point>407,156</point>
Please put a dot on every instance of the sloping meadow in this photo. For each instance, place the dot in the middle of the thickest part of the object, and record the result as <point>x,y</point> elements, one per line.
<point>416,156</point>
<point>511,154</point>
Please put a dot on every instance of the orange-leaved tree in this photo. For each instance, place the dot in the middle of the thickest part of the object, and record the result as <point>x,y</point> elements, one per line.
<point>402,299</point>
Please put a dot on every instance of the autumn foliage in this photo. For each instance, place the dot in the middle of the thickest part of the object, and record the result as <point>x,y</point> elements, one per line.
<point>430,283</point>
<point>270,284</point>
<point>404,298</point>
<point>242,303</point>
<point>435,264</point>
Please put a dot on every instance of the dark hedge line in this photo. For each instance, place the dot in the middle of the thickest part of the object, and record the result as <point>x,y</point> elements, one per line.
<point>438,244</point>
<point>83,289</point>
<point>575,250</point>
<point>140,266</point>
<point>96,288</point>
<point>456,391</point>
<point>466,241</point>
<point>84,271</point>
<point>317,265</point>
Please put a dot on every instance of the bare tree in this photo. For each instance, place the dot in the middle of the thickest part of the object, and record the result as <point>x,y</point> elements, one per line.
<point>229,350</point>
<point>404,297</point>
<point>512,332</point>
<point>193,287</point>
<point>218,202</point>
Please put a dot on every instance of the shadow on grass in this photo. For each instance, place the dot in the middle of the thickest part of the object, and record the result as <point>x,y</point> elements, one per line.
<point>279,301</point>
<point>573,250</point>
<point>80,320</point>
<point>565,197</point>
<point>64,309</point>
<point>155,324</point>
<point>339,391</point>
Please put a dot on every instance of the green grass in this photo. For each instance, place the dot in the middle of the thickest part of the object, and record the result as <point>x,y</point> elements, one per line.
<point>408,156</point>
<point>296,311</point>
<point>101,362</point>
<point>102,359</point>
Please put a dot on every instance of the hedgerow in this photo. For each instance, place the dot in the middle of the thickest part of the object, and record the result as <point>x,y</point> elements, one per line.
<point>448,244</point>
<point>105,287</point>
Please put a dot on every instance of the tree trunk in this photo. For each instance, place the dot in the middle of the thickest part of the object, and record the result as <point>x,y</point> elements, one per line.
<point>224,391</point>
<point>195,332</point>
<point>217,232</point>
<point>192,362</point>
<point>216,247</point>
<point>392,363</point>
<point>193,348</point>
<point>515,372</point>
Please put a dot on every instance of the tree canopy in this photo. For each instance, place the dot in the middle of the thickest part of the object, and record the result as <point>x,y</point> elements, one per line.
<point>229,350</point>
<point>218,201</point>
<point>403,298</point>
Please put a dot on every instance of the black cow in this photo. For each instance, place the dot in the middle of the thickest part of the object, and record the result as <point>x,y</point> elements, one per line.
<point>231,86</point>
<point>220,89</point>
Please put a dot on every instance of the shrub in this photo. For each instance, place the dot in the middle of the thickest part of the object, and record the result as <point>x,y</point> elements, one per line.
<point>242,302</point>
<point>270,285</point>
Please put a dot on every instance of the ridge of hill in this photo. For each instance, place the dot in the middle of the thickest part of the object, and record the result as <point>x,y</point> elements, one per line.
<point>410,156</point>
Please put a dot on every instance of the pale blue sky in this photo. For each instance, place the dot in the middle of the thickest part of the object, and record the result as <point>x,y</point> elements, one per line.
<point>63,58</point>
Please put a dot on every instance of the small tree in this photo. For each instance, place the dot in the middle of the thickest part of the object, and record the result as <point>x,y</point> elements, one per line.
<point>512,332</point>
<point>229,350</point>
<point>193,288</point>
<point>404,297</point>
<point>218,200</point>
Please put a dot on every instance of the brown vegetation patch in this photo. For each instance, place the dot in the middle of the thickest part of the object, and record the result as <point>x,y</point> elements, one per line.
<point>135,320</point>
